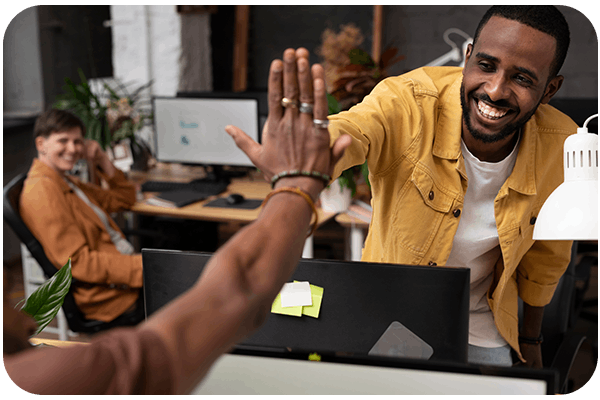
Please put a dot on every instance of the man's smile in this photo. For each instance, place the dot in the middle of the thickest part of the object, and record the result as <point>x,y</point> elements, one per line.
<point>489,112</point>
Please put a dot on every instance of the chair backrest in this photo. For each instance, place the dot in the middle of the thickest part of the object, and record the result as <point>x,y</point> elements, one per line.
<point>12,191</point>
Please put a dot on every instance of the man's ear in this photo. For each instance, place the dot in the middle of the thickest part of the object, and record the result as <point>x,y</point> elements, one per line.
<point>39,144</point>
<point>468,53</point>
<point>552,87</point>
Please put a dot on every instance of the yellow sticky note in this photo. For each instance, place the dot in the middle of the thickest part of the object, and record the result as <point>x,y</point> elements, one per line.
<point>311,311</point>
<point>277,309</point>
<point>317,296</point>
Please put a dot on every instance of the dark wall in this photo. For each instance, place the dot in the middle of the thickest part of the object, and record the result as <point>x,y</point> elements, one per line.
<point>73,37</point>
<point>275,28</point>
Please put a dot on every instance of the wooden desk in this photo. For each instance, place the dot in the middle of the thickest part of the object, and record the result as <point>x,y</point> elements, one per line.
<point>254,187</point>
<point>55,343</point>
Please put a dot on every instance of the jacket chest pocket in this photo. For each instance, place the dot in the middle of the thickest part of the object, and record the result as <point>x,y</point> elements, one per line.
<point>419,210</point>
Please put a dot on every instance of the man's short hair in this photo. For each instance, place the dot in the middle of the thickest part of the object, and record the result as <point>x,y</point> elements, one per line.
<point>54,121</point>
<point>547,19</point>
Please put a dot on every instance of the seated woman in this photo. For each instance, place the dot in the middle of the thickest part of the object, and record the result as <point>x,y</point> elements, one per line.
<point>70,218</point>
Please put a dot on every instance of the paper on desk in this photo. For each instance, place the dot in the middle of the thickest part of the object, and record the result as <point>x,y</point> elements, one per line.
<point>277,309</point>
<point>297,311</point>
<point>296,294</point>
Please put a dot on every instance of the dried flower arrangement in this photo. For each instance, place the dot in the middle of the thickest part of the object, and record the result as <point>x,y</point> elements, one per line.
<point>351,74</point>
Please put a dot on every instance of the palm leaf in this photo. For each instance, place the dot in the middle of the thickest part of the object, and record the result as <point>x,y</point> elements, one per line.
<point>113,94</point>
<point>45,302</point>
<point>136,93</point>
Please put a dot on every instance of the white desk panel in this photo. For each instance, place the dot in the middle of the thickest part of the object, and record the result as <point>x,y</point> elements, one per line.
<point>244,375</point>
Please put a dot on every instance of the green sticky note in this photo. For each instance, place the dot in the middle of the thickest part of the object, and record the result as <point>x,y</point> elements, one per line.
<point>317,296</point>
<point>277,309</point>
<point>311,311</point>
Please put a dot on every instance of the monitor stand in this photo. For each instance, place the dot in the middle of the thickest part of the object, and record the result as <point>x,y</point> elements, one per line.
<point>216,173</point>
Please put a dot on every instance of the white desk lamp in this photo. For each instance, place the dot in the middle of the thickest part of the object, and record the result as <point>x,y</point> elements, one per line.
<point>454,54</point>
<point>571,211</point>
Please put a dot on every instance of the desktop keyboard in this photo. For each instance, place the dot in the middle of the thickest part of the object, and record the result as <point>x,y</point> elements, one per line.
<point>209,188</point>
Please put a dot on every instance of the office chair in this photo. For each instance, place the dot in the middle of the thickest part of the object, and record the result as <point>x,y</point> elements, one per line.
<point>561,344</point>
<point>75,317</point>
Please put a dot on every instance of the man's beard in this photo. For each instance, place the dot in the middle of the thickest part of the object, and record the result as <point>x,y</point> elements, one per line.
<point>504,133</point>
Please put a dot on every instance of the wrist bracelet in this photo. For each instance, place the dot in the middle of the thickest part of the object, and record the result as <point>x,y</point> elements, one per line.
<point>296,172</point>
<point>529,340</point>
<point>301,193</point>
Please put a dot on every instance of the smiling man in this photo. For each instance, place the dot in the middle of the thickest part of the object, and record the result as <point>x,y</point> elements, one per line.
<point>461,161</point>
<point>72,219</point>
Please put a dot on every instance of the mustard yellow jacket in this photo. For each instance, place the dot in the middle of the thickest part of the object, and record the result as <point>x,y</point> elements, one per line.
<point>67,227</point>
<point>409,131</point>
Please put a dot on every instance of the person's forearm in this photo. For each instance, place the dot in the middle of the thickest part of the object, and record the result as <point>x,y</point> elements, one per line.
<point>532,321</point>
<point>236,290</point>
<point>107,168</point>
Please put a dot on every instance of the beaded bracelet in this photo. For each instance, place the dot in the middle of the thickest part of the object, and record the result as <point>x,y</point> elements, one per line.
<point>296,172</point>
<point>306,197</point>
<point>529,340</point>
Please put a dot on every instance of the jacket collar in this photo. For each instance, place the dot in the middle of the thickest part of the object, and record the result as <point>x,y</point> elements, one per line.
<point>39,168</point>
<point>448,137</point>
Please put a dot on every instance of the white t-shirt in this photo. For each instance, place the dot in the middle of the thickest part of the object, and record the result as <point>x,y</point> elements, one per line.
<point>476,245</point>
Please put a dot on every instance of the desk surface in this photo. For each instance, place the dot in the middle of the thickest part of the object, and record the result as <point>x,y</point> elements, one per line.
<point>251,188</point>
<point>348,221</point>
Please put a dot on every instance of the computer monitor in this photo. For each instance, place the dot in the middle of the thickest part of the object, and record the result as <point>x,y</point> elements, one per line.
<point>360,302</point>
<point>192,130</point>
<point>259,372</point>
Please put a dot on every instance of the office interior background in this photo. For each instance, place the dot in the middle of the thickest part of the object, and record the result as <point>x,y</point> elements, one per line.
<point>191,48</point>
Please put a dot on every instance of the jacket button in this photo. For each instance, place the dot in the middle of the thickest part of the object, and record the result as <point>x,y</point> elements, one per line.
<point>456,213</point>
<point>431,195</point>
<point>432,264</point>
<point>532,220</point>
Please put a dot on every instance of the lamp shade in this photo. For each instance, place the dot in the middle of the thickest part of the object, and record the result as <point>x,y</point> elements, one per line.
<point>571,211</point>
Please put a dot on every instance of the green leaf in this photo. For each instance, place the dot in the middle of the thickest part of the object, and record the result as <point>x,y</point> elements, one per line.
<point>45,302</point>
<point>334,106</point>
<point>113,94</point>
<point>361,57</point>
<point>137,92</point>
<point>346,179</point>
<point>364,169</point>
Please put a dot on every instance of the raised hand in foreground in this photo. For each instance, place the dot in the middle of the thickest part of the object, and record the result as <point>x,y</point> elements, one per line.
<point>295,136</point>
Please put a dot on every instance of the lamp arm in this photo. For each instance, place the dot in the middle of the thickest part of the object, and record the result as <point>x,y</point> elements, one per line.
<point>452,55</point>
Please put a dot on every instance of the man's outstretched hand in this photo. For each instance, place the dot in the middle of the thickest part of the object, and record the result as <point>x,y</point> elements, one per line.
<point>290,139</point>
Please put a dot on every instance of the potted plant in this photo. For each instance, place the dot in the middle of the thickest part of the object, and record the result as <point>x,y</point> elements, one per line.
<point>351,74</point>
<point>111,116</point>
<point>45,302</point>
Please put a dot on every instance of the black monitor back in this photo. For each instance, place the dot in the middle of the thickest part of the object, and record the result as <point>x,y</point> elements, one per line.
<point>360,301</point>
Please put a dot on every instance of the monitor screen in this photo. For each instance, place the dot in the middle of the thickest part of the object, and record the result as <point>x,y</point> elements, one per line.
<point>192,130</point>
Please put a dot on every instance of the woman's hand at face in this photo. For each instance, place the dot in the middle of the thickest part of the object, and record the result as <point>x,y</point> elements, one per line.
<point>93,153</point>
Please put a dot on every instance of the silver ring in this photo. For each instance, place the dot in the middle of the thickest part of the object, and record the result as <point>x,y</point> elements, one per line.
<point>306,108</point>
<point>285,102</point>
<point>321,123</point>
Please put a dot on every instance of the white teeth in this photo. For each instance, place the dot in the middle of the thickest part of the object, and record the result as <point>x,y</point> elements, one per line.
<point>490,112</point>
